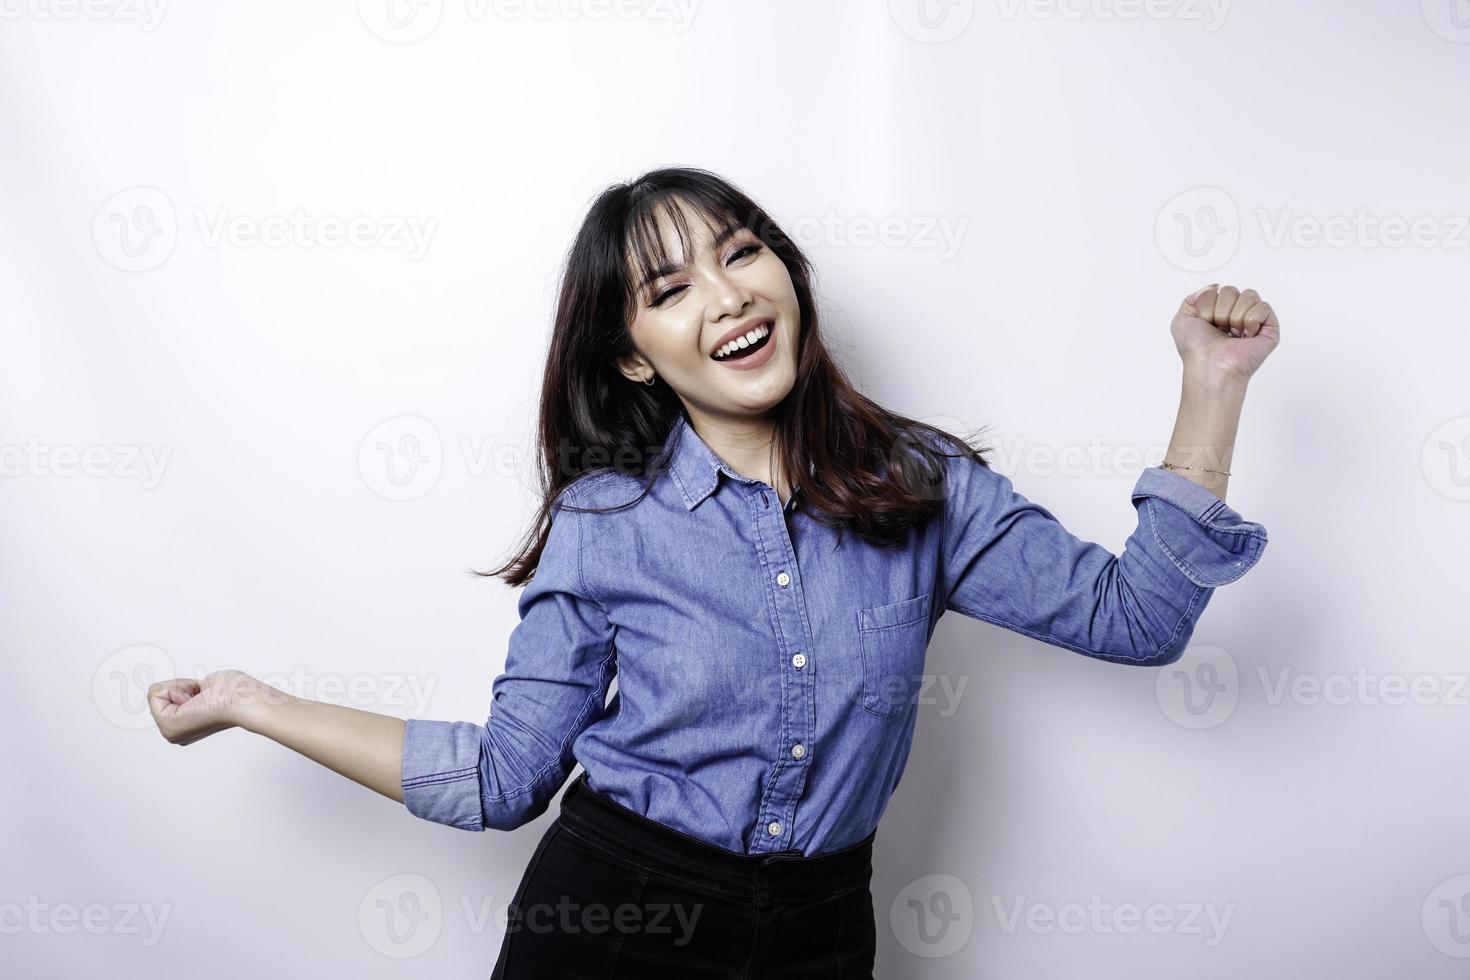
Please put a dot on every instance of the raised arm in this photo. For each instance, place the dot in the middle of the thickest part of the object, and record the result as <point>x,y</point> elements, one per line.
<point>1223,335</point>
<point>1009,561</point>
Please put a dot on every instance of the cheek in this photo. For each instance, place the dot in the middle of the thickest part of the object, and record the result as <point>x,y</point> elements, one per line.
<point>776,281</point>
<point>668,337</point>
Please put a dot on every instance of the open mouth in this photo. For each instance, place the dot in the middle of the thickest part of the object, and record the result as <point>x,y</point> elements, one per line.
<point>746,345</point>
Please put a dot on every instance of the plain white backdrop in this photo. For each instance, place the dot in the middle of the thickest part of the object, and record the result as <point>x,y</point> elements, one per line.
<point>276,282</point>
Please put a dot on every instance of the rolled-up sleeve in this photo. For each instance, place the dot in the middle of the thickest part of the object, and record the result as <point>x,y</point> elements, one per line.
<point>1010,562</point>
<point>559,666</point>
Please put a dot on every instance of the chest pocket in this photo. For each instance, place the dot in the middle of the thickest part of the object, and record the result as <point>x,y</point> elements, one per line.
<point>893,638</point>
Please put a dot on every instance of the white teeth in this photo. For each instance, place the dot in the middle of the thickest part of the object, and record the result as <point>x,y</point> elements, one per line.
<point>740,342</point>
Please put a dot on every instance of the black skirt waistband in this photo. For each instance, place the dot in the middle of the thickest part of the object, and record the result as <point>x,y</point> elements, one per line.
<point>781,876</point>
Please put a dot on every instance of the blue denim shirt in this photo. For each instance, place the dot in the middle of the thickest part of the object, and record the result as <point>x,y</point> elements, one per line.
<point>766,674</point>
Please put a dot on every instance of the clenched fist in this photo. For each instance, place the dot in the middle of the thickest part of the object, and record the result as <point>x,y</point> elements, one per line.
<point>1224,333</point>
<point>186,710</point>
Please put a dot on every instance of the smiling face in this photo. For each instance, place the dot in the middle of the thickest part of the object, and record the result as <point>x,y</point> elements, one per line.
<point>730,285</point>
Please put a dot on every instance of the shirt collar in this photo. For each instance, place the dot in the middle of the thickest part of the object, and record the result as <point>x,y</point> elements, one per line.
<point>695,467</point>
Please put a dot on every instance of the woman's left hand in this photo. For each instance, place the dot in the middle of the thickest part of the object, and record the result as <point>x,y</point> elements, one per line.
<point>1224,333</point>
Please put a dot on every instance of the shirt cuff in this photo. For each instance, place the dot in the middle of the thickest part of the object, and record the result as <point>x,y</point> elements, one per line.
<point>441,774</point>
<point>1207,540</point>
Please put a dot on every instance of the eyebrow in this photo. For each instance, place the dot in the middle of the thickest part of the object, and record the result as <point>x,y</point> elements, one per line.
<point>729,232</point>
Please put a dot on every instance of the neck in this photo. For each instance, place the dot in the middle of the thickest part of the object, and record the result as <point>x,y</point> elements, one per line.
<point>747,445</point>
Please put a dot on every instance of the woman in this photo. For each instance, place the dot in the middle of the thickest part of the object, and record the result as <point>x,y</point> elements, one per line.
<point>759,554</point>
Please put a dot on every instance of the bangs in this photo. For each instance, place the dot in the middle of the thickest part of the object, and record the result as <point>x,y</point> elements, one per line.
<point>645,257</point>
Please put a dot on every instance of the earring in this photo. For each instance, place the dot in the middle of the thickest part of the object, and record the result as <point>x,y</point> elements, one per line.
<point>652,378</point>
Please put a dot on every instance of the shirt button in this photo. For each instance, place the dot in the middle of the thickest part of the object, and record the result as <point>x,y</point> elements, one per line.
<point>798,750</point>
<point>774,828</point>
<point>783,580</point>
<point>798,661</point>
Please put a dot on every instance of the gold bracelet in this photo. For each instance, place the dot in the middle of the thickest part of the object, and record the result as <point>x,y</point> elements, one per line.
<point>1170,466</point>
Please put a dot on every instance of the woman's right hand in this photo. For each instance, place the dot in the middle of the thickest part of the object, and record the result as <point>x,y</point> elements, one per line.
<point>186,710</point>
<point>1224,333</point>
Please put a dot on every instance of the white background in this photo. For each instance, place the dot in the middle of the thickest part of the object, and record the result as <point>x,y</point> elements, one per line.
<point>1100,162</point>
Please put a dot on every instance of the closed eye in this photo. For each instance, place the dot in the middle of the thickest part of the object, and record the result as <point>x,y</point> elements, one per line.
<point>740,252</point>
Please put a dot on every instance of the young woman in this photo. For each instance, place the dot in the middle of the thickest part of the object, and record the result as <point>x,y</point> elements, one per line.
<point>759,554</point>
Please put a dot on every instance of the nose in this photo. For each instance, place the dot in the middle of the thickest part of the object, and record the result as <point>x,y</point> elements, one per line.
<point>728,296</point>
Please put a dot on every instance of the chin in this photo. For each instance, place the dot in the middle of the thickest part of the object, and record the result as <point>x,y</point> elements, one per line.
<point>767,393</point>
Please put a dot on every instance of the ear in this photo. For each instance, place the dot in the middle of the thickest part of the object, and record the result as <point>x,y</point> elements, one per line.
<point>633,367</point>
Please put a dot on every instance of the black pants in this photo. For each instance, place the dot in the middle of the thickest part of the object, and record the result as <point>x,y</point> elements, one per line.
<point>609,893</point>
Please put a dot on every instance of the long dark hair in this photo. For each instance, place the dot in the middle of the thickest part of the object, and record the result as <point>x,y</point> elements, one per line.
<point>860,466</point>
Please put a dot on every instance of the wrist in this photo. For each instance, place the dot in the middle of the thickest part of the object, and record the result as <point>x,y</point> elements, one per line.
<point>256,705</point>
<point>1212,385</point>
<point>1213,481</point>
